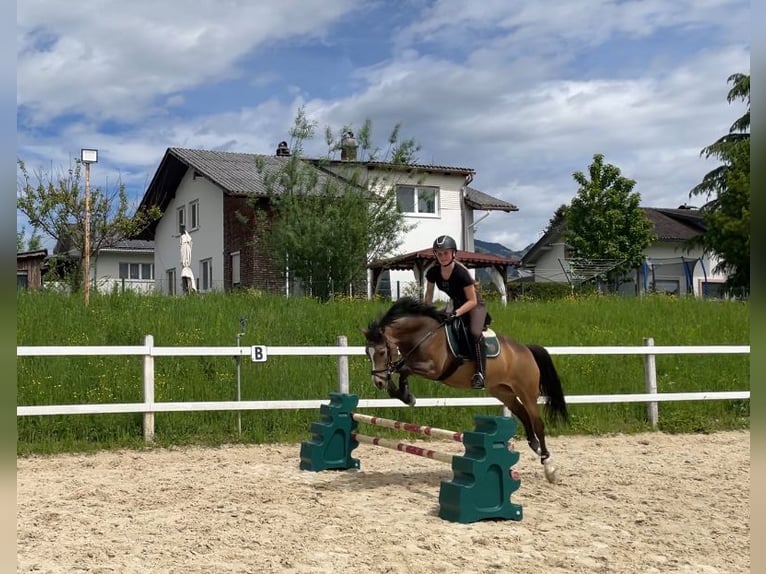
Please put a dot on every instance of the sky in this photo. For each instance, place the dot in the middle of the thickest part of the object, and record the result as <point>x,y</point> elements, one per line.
<point>524,93</point>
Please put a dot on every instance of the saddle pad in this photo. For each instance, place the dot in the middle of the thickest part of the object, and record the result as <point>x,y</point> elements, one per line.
<point>457,341</point>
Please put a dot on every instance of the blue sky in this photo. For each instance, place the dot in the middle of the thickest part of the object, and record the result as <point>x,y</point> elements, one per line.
<point>523,92</point>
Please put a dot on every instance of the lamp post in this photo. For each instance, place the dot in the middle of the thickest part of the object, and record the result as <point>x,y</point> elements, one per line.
<point>87,156</point>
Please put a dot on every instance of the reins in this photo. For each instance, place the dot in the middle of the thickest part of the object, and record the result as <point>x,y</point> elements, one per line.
<point>395,367</point>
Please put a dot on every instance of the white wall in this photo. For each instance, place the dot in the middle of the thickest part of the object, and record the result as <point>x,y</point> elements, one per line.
<point>105,271</point>
<point>548,268</point>
<point>207,241</point>
<point>448,220</point>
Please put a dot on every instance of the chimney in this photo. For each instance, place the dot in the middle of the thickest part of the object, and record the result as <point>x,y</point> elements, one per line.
<point>283,150</point>
<point>348,147</point>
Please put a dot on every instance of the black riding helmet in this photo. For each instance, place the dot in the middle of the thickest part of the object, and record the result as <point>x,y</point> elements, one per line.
<point>444,242</point>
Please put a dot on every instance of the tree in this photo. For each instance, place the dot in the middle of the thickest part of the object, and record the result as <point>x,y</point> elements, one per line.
<point>727,187</point>
<point>34,242</point>
<point>604,220</point>
<point>327,224</point>
<point>55,205</point>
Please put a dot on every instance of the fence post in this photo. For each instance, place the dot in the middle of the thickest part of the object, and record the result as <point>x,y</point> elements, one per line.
<point>650,382</point>
<point>343,386</point>
<point>149,390</point>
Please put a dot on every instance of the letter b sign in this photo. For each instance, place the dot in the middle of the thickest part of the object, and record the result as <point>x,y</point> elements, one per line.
<point>258,353</point>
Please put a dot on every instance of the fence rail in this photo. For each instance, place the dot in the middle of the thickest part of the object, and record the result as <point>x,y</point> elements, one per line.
<point>149,407</point>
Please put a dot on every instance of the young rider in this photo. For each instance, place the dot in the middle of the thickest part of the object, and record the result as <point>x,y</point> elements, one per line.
<point>452,277</point>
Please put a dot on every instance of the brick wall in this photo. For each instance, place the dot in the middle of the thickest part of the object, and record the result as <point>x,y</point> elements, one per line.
<point>241,232</point>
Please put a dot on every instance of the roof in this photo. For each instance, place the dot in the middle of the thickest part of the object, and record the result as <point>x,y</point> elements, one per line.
<point>671,225</point>
<point>238,174</point>
<point>470,259</point>
<point>423,167</point>
<point>36,254</point>
<point>480,200</point>
<point>132,245</point>
<point>676,224</point>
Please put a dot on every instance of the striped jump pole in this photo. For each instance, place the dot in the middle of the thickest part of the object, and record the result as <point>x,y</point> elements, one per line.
<point>409,427</point>
<point>403,447</point>
<point>483,478</point>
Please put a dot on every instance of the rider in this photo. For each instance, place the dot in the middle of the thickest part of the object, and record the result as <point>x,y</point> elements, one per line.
<point>453,278</point>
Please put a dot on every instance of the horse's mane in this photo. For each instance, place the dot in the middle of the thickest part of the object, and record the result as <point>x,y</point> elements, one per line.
<point>404,307</point>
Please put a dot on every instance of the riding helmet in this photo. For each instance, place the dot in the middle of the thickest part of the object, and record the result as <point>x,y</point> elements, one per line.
<point>445,242</point>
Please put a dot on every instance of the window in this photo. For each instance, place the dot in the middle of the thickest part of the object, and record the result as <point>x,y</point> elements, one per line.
<point>137,271</point>
<point>181,217</point>
<point>22,279</point>
<point>170,274</point>
<point>235,269</point>
<point>206,274</point>
<point>418,200</point>
<point>194,214</point>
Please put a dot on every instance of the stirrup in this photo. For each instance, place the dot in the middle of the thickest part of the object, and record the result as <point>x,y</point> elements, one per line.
<point>478,381</point>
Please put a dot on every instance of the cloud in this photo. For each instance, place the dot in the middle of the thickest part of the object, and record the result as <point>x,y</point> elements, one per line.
<point>524,93</point>
<point>112,60</point>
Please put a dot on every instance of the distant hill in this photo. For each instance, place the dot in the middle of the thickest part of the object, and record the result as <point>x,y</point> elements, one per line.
<point>498,249</point>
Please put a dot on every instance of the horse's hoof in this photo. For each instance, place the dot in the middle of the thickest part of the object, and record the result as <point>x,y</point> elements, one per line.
<point>411,401</point>
<point>550,470</point>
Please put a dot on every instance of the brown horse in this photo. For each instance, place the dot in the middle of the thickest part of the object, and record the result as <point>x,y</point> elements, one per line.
<point>410,340</point>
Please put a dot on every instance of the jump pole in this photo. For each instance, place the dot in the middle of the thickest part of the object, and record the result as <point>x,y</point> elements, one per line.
<point>483,479</point>
<point>408,427</point>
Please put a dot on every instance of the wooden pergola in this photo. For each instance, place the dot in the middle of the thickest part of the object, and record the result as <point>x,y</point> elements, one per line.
<point>419,261</point>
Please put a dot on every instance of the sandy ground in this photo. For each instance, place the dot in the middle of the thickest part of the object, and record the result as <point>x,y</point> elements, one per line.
<point>640,503</point>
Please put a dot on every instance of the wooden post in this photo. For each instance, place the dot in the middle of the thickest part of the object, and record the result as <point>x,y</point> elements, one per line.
<point>650,382</point>
<point>149,390</point>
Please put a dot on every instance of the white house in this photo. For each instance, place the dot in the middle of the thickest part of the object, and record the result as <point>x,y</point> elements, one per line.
<point>670,265</point>
<point>127,265</point>
<point>209,194</point>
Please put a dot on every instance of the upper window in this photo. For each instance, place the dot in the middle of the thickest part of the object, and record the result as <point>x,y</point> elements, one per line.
<point>194,214</point>
<point>418,200</point>
<point>181,218</point>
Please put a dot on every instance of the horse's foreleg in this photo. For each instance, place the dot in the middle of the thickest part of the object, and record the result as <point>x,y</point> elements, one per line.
<point>403,392</point>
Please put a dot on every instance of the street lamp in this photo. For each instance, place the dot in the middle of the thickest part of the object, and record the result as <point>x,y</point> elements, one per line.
<point>87,156</point>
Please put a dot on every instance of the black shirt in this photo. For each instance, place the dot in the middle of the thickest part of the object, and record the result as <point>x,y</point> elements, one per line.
<point>455,286</point>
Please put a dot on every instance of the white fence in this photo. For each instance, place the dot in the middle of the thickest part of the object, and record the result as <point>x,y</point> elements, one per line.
<point>260,353</point>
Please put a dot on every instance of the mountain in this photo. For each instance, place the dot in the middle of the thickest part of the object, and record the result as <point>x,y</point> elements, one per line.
<point>498,249</point>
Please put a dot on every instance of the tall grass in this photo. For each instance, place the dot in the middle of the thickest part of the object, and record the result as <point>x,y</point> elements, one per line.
<point>214,320</point>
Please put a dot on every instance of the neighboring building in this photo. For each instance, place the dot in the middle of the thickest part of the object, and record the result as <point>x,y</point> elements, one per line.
<point>671,266</point>
<point>127,265</point>
<point>30,267</point>
<point>124,265</point>
<point>209,193</point>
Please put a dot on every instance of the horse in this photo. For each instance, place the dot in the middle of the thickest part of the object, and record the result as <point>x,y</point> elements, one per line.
<point>411,339</point>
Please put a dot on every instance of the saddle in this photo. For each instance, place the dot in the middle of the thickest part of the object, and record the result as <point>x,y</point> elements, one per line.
<point>459,341</point>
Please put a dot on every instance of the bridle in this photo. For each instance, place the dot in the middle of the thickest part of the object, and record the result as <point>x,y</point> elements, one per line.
<point>396,366</point>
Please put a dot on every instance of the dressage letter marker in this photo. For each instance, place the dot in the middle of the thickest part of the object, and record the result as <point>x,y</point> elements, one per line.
<point>483,479</point>
<point>258,353</point>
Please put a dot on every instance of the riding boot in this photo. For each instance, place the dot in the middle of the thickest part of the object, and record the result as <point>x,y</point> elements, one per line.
<point>480,358</point>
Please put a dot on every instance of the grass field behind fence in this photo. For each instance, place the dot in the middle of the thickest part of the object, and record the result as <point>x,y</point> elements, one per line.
<point>214,320</point>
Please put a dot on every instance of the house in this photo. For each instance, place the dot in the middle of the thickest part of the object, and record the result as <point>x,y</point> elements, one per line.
<point>670,266</point>
<point>209,194</point>
<point>30,267</point>
<point>125,265</point>
<point>121,265</point>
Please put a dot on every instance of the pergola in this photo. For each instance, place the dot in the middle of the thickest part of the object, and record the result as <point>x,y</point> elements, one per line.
<point>419,261</point>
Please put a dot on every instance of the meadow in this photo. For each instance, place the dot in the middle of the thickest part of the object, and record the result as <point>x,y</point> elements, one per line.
<point>214,320</point>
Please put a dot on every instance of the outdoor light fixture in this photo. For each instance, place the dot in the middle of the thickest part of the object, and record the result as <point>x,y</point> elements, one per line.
<point>87,156</point>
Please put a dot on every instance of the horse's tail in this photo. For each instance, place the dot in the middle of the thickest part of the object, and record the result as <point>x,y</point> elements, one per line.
<point>550,384</point>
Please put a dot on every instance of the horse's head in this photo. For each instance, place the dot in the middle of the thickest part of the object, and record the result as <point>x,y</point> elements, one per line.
<point>400,330</point>
<point>381,353</point>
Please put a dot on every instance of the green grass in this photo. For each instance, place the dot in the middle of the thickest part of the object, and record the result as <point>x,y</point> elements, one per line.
<point>213,320</point>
